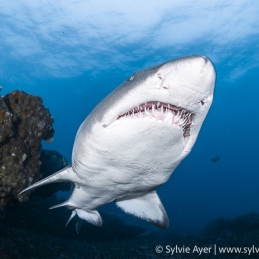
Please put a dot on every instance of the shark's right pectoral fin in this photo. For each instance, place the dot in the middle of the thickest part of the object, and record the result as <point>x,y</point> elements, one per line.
<point>147,207</point>
<point>65,174</point>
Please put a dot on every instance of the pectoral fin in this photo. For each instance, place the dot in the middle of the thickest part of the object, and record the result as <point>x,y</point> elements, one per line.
<point>147,207</point>
<point>66,174</point>
<point>92,217</point>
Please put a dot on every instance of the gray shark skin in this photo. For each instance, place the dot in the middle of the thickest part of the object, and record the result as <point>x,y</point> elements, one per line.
<point>135,138</point>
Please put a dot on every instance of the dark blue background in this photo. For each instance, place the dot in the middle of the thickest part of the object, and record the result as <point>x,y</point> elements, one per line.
<point>85,72</point>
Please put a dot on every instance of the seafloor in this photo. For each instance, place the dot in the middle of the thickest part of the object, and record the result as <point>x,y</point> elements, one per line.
<point>30,230</point>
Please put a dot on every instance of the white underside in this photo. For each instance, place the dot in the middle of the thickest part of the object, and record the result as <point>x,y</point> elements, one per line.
<point>132,155</point>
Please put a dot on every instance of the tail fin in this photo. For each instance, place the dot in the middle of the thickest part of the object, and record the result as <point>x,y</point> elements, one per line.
<point>66,174</point>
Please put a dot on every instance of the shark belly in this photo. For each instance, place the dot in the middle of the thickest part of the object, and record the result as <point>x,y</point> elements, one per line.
<point>133,155</point>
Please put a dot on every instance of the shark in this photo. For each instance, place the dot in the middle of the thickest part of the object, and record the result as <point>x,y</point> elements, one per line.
<point>135,138</point>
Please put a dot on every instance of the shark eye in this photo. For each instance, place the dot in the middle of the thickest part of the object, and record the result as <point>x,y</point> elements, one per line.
<point>131,78</point>
<point>202,102</point>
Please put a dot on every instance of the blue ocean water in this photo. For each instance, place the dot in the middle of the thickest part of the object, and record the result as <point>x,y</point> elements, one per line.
<point>73,53</point>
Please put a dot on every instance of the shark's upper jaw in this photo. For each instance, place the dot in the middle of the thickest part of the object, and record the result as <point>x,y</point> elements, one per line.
<point>178,92</point>
<point>165,112</point>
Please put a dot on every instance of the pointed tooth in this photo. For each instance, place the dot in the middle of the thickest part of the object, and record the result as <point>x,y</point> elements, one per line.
<point>150,112</point>
<point>180,122</point>
<point>176,119</point>
<point>181,114</point>
<point>142,110</point>
<point>161,112</point>
<point>190,119</point>
<point>153,108</point>
<point>146,112</point>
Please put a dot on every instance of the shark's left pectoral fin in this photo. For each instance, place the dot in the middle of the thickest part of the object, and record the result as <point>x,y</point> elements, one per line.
<point>147,207</point>
<point>92,217</point>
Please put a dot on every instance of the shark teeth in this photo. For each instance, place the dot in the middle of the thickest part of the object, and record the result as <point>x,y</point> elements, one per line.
<point>163,111</point>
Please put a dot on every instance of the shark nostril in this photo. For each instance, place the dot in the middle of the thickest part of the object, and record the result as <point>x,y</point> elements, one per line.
<point>159,76</point>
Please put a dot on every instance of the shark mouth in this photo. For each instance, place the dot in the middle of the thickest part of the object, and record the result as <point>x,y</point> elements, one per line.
<point>163,111</point>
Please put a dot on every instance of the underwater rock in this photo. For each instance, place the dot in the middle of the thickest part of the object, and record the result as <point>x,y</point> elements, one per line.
<point>215,158</point>
<point>51,162</point>
<point>31,119</point>
<point>230,227</point>
<point>24,123</point>
<point>6,125</point>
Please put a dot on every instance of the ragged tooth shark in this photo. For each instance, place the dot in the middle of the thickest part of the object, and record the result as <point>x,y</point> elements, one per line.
<point>135,138</point>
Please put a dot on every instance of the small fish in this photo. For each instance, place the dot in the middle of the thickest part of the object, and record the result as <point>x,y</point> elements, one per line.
<point>215,158</point>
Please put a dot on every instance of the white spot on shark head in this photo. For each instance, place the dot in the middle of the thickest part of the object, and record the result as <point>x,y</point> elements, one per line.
<point>135,138</point>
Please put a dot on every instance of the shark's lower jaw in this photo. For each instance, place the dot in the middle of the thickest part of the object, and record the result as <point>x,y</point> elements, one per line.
<point>178,116</point>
